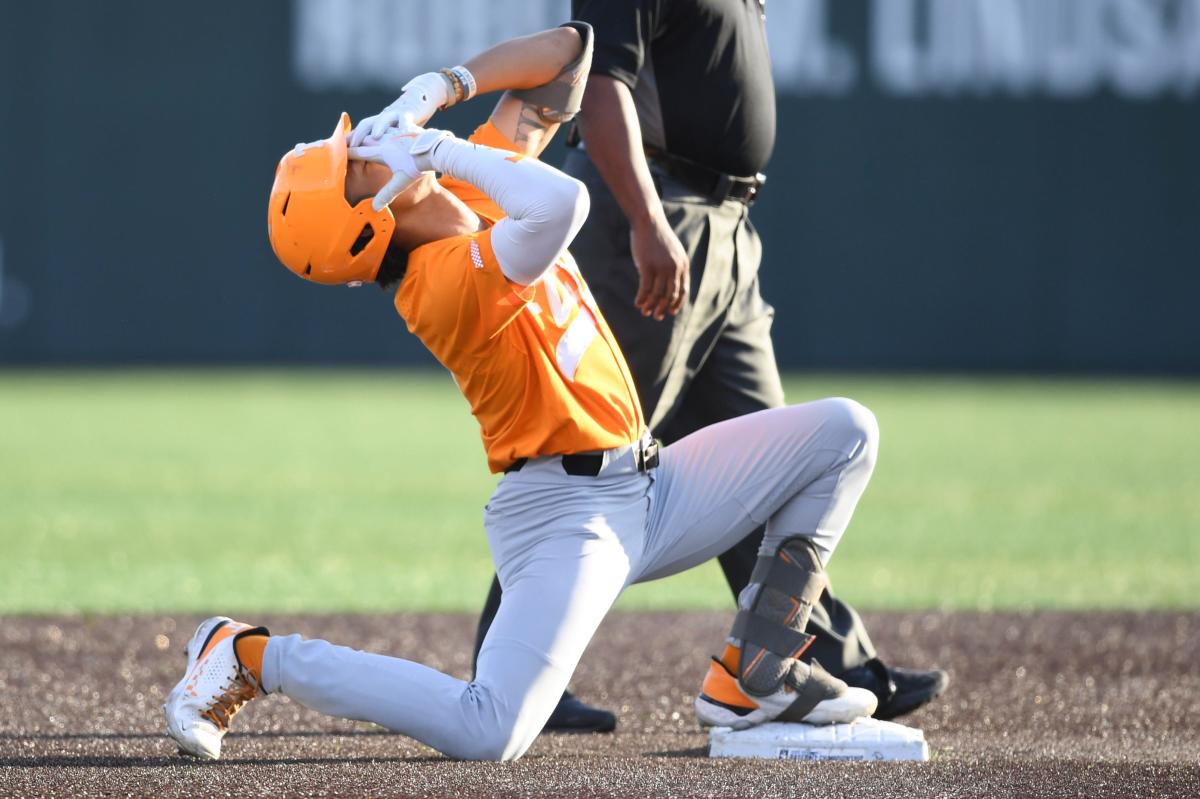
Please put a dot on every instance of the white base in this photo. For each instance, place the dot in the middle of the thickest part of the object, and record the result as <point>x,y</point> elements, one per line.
<point>863,739</point>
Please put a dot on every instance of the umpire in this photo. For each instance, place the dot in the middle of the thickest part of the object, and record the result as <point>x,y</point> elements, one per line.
<point>678,121</point>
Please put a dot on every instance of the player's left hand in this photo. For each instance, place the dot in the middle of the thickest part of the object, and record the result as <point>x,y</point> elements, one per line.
<point>398,150</point>
<point>421,98</point>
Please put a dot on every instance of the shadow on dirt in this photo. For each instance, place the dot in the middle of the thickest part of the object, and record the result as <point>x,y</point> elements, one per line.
<point>107,762</point>
<point>131,736</point>
<point>699,751</point>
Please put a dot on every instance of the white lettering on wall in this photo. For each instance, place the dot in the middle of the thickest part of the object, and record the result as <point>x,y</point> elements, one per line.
<point>805,58</point>
<point>360,44</point>
<point>1138,49</point>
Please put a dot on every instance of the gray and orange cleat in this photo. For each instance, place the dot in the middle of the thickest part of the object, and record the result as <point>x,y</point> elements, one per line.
<point>214,687</point>
<point>809,695</point>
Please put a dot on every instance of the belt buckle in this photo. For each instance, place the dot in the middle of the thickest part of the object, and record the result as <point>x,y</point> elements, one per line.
<point>755,188</point>
<point>752,187</point>
<point>647,456</point>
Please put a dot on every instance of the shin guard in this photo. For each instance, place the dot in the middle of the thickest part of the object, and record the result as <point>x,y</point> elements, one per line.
<point>772,629</point>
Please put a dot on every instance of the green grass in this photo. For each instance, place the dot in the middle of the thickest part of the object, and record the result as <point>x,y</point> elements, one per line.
<point>245,491</point>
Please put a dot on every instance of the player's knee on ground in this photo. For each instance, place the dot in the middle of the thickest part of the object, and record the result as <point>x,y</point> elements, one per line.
<point>489,747</point>
<point>502,737</point>
<point>499,735</point>
<point>499,745</point>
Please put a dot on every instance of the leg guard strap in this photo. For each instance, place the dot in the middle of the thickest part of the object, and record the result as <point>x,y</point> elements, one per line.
<point>813,685</point>
<point>772,636</point>
<point>786,577</point>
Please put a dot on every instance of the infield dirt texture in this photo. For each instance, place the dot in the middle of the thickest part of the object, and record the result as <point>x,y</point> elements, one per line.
<point>1041,705</point>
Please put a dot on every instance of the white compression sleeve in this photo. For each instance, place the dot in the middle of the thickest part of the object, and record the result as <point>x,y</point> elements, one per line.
<point>545,207</point>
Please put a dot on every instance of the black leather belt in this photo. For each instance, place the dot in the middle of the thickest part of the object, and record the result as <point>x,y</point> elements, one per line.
<point>589,464</point>
<point>716,187</point>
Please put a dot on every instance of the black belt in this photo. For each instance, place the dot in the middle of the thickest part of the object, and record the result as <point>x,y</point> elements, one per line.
<point>716,187</point>
<point>589,464</point>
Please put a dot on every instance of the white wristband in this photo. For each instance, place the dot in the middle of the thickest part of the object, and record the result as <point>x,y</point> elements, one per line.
<point>422,148</point>
<point>468,80</point>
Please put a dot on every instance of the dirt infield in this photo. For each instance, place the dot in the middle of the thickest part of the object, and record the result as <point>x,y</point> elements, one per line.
<point>1043,705</point>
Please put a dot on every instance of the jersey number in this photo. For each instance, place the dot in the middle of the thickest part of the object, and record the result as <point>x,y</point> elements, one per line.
<point>573,319</point>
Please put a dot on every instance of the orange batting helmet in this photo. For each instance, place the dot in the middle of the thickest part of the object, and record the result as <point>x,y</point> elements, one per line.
<point>314,231</point>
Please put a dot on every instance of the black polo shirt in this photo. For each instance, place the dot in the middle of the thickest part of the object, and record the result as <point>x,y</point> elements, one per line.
<point>699,72</point>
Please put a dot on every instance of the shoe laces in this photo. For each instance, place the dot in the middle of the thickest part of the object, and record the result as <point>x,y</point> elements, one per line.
<point>242,687</point>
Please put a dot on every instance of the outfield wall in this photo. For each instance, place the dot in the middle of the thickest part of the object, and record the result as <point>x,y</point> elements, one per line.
<point>958,184</point>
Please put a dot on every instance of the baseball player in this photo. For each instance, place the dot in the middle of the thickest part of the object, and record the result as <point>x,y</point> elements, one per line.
<point>587,504</point>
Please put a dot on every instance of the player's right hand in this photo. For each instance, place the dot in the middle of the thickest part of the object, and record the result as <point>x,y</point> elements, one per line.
<point>421,98</point>
<point>398,150</point>
<point>662,266</point>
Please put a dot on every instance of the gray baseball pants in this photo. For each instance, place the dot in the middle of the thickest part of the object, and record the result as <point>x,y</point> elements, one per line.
<point>566,546</point>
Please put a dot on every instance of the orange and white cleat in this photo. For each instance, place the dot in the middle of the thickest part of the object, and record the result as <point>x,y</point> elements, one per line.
<point>808,695</point>
<point>214,687</point>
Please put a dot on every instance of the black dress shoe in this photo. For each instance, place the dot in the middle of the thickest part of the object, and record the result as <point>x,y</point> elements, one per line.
<point>571,715</point>
<point>899,690</point>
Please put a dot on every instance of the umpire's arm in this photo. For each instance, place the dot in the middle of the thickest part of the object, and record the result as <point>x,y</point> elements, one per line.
<point>624,30</point>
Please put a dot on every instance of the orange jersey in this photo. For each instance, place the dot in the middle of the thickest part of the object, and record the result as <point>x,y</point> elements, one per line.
<point>538,364</point>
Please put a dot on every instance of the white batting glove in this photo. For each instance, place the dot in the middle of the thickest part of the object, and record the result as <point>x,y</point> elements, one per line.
<point>406,152</point>
<point>422,97</point>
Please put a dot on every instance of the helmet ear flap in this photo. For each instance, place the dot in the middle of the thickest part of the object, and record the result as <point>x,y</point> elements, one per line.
<point>364,238</point>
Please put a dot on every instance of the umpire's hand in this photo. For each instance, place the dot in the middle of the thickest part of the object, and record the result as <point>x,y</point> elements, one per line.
<point>662,266</point>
